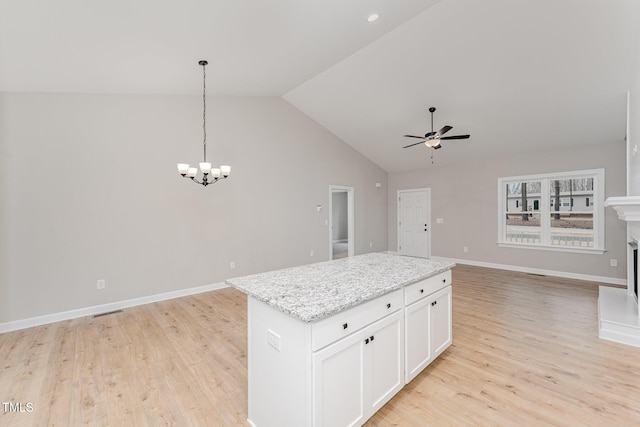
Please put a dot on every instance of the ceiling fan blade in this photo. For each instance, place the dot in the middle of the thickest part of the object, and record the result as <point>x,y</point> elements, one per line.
<point>443,131</point>
<point>421,142</point>
<point>415,136</point>
<point>456,137</point>
<point>428,134</point>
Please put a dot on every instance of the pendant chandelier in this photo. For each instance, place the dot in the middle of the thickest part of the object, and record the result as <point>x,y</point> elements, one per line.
<point>209,175</point>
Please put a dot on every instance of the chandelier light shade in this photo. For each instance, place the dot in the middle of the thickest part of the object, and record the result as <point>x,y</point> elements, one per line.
<point>209,175</point>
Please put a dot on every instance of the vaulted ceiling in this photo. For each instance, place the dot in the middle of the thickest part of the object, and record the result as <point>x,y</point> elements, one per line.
<point>517,75</point>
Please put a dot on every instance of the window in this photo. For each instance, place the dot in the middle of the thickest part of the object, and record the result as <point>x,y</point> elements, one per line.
<point>572,214</point>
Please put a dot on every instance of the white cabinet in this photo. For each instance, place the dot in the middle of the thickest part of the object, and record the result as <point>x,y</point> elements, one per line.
<point>340,370</point>
<point>440,321</point>
<point>417,338</point>
<point>384,362</point>
<point>336,372</point>
<point>427,323</point>
<point>355,376</point>
<point>338,377</point>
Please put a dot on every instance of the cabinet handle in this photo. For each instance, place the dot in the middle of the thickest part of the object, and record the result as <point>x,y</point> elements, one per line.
<point>422,291</point>
<point>389,305</point>
<point>366,341</point>
<point>434,303</point>
<point>444,280</point>
<point>372,337</point>
<point>345,326</point>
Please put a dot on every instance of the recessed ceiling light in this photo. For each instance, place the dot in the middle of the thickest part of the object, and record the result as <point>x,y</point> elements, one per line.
<point>373,17</point>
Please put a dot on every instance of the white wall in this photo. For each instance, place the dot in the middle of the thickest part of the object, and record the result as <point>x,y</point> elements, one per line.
<point>633,145</point>
<point>634,131</point>
<point>465,196</point>
<point>89,190</point>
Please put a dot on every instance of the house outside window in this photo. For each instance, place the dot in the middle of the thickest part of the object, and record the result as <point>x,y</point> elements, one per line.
<point>565,211</point>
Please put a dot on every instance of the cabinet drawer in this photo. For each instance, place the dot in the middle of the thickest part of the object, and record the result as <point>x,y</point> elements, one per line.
<point>421,289</point>
<point>328,330</point>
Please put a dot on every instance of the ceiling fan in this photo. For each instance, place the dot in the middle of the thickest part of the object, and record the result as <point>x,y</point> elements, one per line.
<point>432,139</point>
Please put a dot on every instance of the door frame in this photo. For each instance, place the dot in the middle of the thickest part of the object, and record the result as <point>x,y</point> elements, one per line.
<point>350,218</point>
<point>398,195</point>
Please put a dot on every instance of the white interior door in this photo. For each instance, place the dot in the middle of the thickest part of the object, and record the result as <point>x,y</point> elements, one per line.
<point>414,222</point>
<point>341,222</point>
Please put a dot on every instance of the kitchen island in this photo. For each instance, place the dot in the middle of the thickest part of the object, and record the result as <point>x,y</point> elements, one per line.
<point>330,343</point>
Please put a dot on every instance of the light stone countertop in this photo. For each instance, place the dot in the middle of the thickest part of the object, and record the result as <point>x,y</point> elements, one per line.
<point>315,291</point>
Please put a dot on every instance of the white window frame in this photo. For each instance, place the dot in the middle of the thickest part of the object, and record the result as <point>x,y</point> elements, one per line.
<point>545,210</point>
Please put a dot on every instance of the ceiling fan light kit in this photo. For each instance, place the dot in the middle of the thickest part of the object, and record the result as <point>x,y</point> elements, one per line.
<point>209,175</point>
<point>433,143</point>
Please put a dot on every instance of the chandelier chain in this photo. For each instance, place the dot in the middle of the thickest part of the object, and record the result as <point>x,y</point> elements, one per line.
<point>204,110</point>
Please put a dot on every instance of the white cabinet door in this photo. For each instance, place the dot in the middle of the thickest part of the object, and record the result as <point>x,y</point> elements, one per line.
<point>357,375</point>
<point>417,338</point>
<point>440,320</point>
<point>384,361</point>
<point>338,377</point>
<point>427,331</point>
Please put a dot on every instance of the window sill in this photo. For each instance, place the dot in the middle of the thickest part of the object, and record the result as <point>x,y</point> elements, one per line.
<point>592,251</point>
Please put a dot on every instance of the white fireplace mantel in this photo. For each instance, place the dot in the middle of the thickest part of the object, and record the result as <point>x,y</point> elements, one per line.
<point>618,314</point>
<point>627,207</point>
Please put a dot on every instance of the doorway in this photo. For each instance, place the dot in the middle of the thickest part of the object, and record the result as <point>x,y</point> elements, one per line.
<point>414,222</point>
<point>341,224</point>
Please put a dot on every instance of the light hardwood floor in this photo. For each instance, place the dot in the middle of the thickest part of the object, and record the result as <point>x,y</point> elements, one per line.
<point>525,353</point>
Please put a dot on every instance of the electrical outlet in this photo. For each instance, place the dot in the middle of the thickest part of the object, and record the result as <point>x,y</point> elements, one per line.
<point>101,284</point>
<point>465,249</point>
<point>370,244</point>
<point>232,265</point>
<point>273,339</point>
<point>613,262</point>
<point>310,253</point>
<point>439,220</point>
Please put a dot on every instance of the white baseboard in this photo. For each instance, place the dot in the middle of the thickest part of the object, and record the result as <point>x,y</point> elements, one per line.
<point>104,308</point>
<point>554,273</point>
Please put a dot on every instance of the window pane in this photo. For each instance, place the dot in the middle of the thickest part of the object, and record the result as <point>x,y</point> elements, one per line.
<point>571,195</point>
<point>523,196</point>
<point>522,228</point>
<point>572,229</point>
